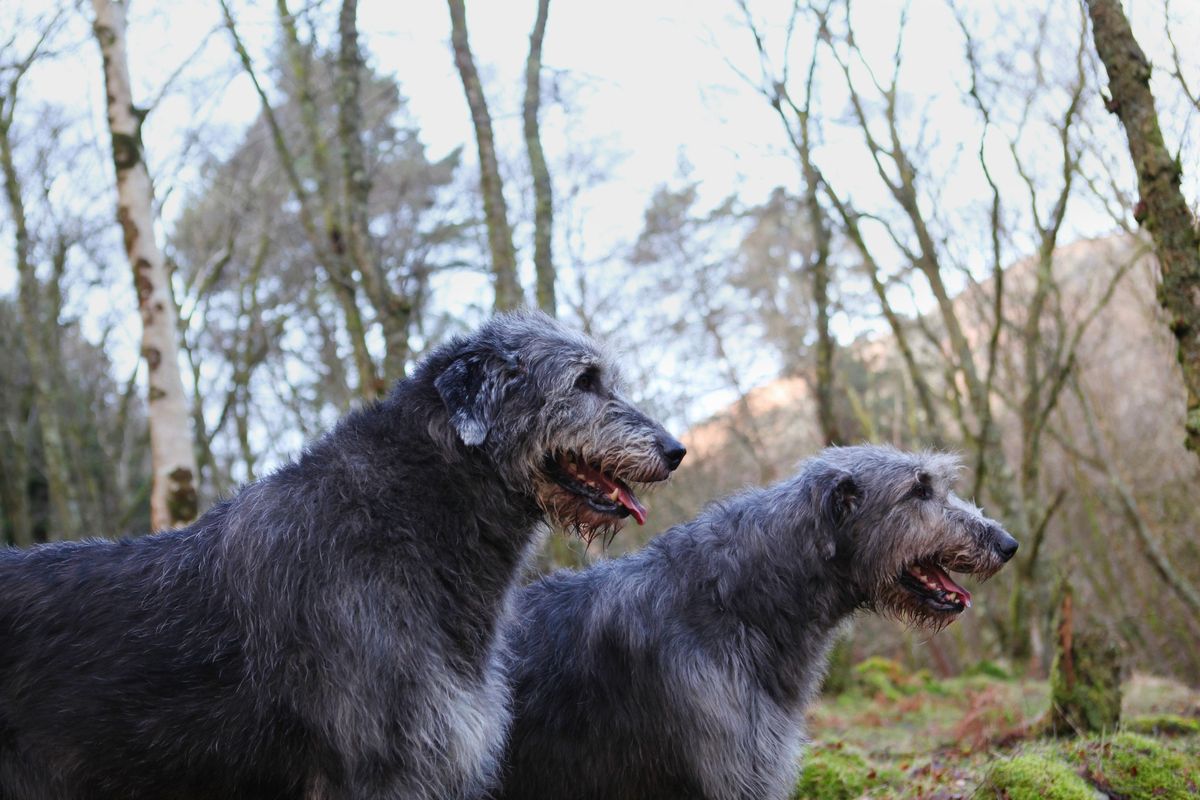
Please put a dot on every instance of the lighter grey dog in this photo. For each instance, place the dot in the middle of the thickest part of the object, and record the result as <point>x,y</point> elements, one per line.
<point>332,631</point>
<point>683,671</point>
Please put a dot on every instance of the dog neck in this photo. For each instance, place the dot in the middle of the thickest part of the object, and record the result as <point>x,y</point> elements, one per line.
<point>436,525</point>
<point>766,587</point>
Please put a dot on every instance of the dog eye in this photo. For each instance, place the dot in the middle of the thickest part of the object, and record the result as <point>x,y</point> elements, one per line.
<point>588,381</point>
<point>924,487</point>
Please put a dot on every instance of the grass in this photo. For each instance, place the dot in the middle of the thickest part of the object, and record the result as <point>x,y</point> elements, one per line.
<point>893,734</point>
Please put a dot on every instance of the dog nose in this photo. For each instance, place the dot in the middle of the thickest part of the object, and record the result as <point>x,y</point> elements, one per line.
<point>672,450</point>
<point>1006,545</point>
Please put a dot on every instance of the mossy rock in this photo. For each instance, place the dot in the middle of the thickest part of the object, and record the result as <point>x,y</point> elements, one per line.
<point>837,774</point>
<point>1131,765</point>
<point>1034,777</point>
<point>1163,725</point>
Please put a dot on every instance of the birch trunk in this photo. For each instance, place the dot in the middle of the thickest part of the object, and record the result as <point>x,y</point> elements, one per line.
<point>173,499</point>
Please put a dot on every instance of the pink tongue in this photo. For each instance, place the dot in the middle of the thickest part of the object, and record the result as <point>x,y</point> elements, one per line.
<point>630,502</point>
<point>949,585</point>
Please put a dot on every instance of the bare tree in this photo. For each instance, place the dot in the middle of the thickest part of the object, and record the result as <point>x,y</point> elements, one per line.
<point>543,195</point>
<point>797,121</point>
<point>1148,543</point>
<point>495,210</point>
<point>173,499</point>
<point>38,322</point>
<point>1162,209</point>
<point>318,214</point>
<point>991,353</point>
<point>394,309</point>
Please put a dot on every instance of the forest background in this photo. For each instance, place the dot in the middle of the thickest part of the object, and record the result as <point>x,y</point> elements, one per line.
<point>921,223</point>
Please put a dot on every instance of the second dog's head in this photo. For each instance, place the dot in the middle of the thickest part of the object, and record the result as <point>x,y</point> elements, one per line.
<point>895,530</point>
<point>543,404</point>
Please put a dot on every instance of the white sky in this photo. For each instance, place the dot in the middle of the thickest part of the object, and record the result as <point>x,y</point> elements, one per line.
<point>651,86</point>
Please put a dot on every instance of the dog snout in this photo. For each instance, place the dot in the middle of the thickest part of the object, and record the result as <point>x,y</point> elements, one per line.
<point>1005,544</point>
<point>672,450</point>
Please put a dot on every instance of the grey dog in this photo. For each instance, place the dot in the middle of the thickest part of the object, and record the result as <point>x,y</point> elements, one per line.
<point>683,671</point>
<point>332,630</point>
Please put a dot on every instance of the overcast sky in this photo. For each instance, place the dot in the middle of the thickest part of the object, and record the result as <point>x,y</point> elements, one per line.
<point>648,83</point>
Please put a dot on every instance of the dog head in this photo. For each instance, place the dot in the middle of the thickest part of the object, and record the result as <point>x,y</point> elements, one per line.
<point>543,404</point>
<point>896,530</point>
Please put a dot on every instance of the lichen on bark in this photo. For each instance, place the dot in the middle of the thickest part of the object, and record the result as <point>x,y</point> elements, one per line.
<point>1162,210</point>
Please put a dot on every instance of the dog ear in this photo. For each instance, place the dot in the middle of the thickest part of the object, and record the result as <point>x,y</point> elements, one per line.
<point>837,496</point>
<point>472,388</point>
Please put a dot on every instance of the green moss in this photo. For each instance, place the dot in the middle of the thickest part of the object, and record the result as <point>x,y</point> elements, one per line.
<point>988,669</point>
<point>838,672</point>
<point>882,676</point>
<point>1130,765</point>
<point>1034,777</point>
<point>923,681</point>
<point>837,774</point>
<point>1163,725</point>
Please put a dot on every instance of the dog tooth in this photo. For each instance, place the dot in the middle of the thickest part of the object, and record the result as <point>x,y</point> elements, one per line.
<point>616,495</point>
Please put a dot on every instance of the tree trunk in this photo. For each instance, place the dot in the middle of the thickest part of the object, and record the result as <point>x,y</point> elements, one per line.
<point>1162,209</point>
<point>543,197</point>
<point>336,255</point>
<point>326,239</point>
<point>394,309</point>
<point>37,334</point>
<point>173,497</point>
<point>820,279</point>
<point>495,211</point>
<point>1085,679</point>
<point>14,493</point>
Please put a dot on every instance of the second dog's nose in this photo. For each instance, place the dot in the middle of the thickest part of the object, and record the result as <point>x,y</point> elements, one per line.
<point>672,450</point>
<point>1006,545</point>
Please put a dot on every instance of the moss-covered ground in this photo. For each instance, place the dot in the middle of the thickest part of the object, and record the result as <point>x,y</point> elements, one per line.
<point>894,734</point>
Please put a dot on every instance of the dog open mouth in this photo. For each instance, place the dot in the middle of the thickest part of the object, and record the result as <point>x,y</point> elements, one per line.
<point>933,587</point>
<point>599,490</point>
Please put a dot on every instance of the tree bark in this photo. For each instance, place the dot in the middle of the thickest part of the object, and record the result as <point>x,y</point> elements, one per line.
<point>173,497</point>
<point>1162,209</point>
<point>543,195</point>
<point>495,211</point>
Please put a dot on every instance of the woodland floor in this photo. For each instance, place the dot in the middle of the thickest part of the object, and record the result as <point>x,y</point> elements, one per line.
<point>892,734</point>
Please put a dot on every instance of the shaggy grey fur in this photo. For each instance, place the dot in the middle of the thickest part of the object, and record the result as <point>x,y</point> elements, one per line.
<point>683,671</point>
<point>332,630</point>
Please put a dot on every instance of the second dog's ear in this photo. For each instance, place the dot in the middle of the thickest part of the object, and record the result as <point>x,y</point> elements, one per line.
<point>472,388</point>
